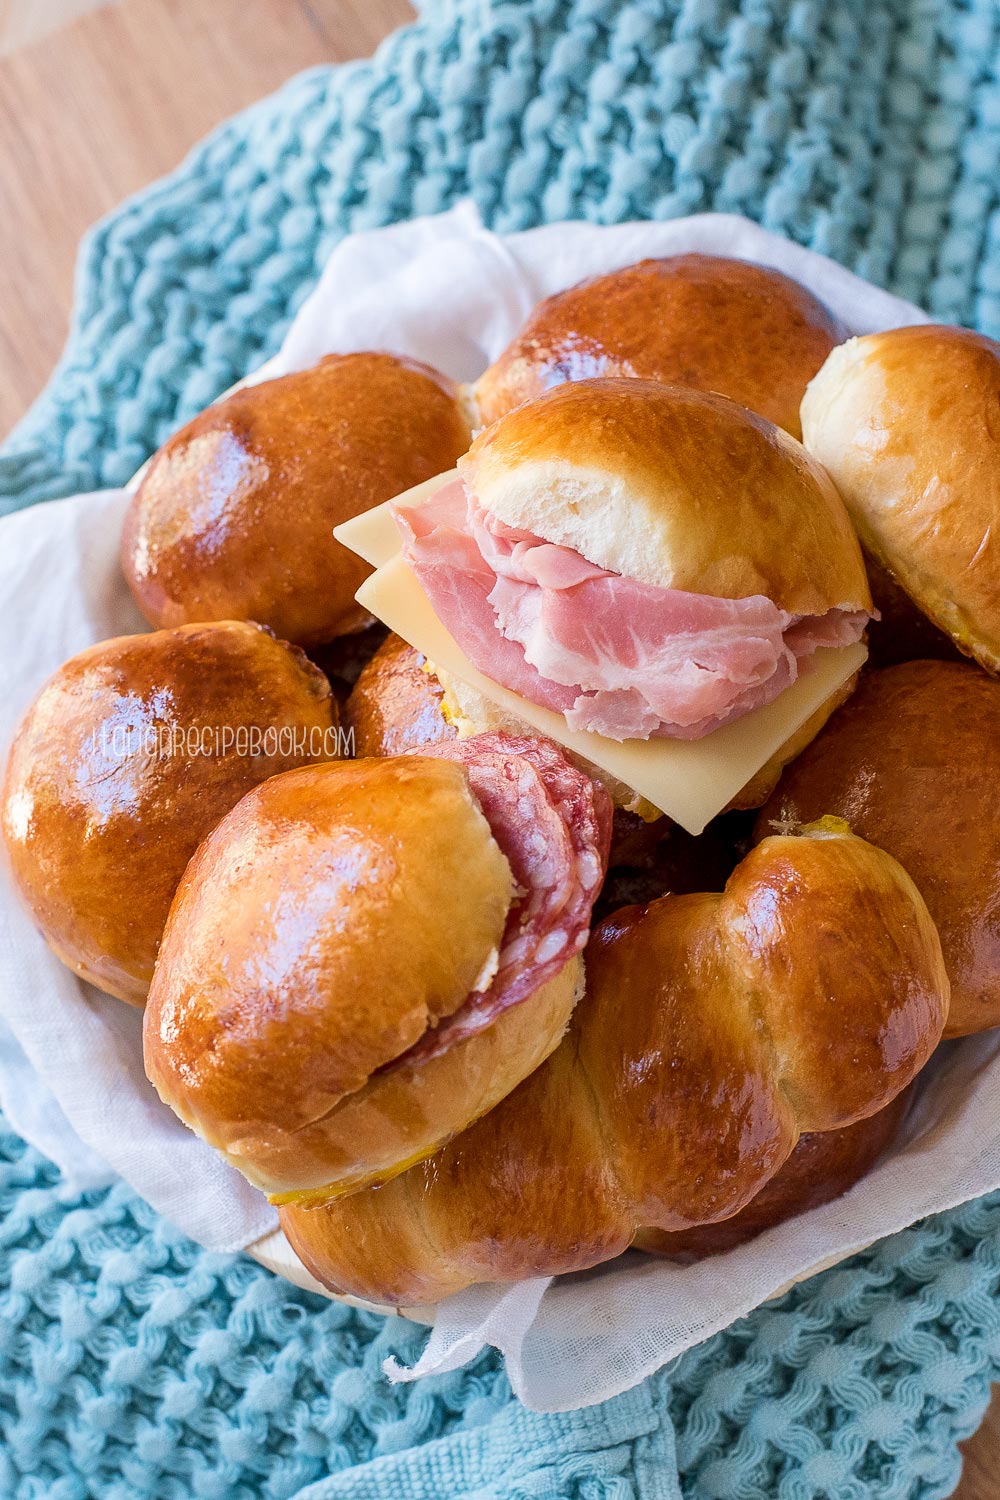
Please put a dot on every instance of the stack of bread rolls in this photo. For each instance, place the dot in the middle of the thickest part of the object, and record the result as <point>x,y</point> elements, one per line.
<point>462,1002</point>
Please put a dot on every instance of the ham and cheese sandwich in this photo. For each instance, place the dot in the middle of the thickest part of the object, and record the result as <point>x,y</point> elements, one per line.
<point>646,560</point>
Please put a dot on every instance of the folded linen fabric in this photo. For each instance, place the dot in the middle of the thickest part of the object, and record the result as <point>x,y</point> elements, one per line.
<point>135,1363</point>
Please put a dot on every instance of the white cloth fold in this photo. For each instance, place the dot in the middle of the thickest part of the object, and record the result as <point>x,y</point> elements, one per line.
<point>446,291</point>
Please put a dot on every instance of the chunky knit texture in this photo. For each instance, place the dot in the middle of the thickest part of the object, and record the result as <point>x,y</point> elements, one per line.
<point>133,1364</point>
<point>870,131</point>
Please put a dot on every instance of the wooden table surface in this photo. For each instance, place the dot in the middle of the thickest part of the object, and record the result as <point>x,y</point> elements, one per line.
<point>116,99</point>
<point>95,111</point>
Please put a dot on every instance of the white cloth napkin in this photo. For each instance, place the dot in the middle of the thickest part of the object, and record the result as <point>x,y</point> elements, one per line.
<point>71,1077</point>
<point>446,291</point>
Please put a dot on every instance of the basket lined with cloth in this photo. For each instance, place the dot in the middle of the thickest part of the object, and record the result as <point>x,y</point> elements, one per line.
<point>540,111</point>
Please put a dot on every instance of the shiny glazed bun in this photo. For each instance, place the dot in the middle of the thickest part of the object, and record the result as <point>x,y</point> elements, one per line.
<point>715,1029</point>
<point>233,518</point>
<point>743,330</point>
<point>395,705</point>
<point>673,488</point>
<point>912,763</point>
<point>822,1167</point>
<point>365,956</point>
<point>906,424</point>
<point>129,755</point>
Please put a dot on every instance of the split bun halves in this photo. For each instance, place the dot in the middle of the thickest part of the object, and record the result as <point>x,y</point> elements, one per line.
<point>645,559</point>
<point>365,957</point>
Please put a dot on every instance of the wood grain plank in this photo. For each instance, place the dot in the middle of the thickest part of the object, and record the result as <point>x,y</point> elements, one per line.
<point>981,1458</point>
<point>356,25</point>
<point>101,108</point>
<point>24,21</point>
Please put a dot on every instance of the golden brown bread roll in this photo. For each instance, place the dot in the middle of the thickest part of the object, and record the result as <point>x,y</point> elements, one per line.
<point>395,705</point>
<point>906,424</point>
<point>912,763</point>
<point>822,1167</point>
<point>129,755</point>
<point>234,516</point>
<point>364,957</point>
<point>722,325</point>
<point>714,1030</point>
<point>675,488</point>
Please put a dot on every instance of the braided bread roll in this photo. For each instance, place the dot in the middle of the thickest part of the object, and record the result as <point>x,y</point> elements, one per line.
<point>823,1166</point>
<point>715,1029</point>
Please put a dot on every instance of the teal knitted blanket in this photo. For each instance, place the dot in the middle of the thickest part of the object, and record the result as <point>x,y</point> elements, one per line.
<point>134,1364</point>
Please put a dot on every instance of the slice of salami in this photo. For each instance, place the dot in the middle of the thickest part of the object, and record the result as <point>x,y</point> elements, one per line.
<point>554,825</point>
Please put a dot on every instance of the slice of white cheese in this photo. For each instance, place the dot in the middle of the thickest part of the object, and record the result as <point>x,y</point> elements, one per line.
<point>690,780</point>
<point>374,535</point>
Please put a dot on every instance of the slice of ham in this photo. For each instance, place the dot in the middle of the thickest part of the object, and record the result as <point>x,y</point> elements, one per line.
<point>554,825</point>
<point>458,581</point>
<point>613,655</point>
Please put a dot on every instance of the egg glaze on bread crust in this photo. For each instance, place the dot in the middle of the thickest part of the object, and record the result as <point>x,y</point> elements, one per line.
<point>354,968</point>
<point>706,321</point>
